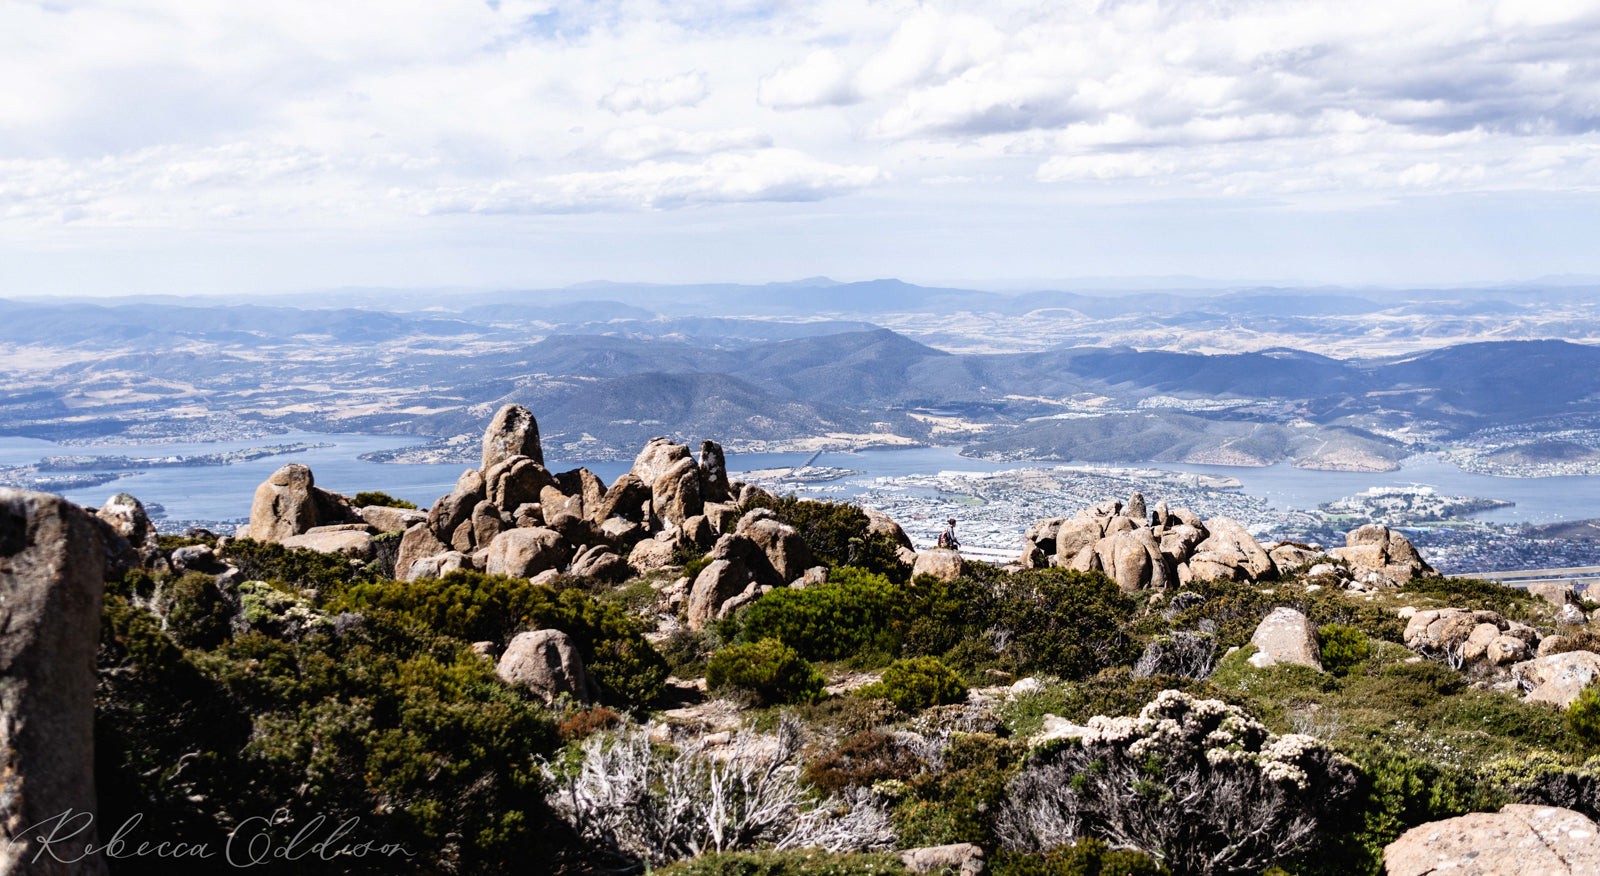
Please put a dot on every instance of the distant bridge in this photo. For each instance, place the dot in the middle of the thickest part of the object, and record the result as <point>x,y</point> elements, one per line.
<point>1581,577</point>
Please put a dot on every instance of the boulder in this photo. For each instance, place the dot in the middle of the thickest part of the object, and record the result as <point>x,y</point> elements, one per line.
<point>1286,636</point>
<point>1446,630</point>
<point>126,517</point>
<point>784,554</point>
<point>676,491</point>
<point>486,523</point>
<point>386,519</point>
<point>553,504</point>
<point>714,485</point>
<point>525,552</point>
<point>436,566</point>
<point>1556,678</point>
<point>196,558</point>
<point>586,486</point>
<point>547,663</point>
<point>628,498</point>
<point>879,523</point>
<point>1133,559</point>
<point>418,542</point>
<point>1374,547</point>
<point>600,563</point>
<point>516,481</point>
<point>1571,615</point>
<point>1519,840</point>
<point>697,530</point>
<point>1293,556</point>
<point>721,580</point>
<point>1231,544</point>
<point>355,544</point>
<point>942,563</point>
<point>512,432</point>
<point>1040,537</point>
<point>1072,536</point>
<point>53,568</point>
<point>284,505</point>
<point>961,859</point>
<point>652,553</point>
<point>1554,593</point>
<point>1135,510</point>
<point>657,458</point>
<point>1506,649</point>
<point>447,514</point>
<point>720,515</point>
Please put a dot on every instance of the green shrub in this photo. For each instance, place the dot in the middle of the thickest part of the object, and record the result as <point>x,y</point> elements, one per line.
<point>197,614</point>
<point>373,497</point>
<point>855,612</point>
<point>855,714</point>
<point>1343,647</point>
<point>410,737</point>
<point>1064,623</point>
<point>768,671</point>
<point>1087,857</point>
<point>472,606</point>
<point>1472,593</point>
<point>958,805</point>
<point>836,533</point>
<point>1583,716</point>
<point>917,683</point>
<point>296,568</point>
<point>797,862</point>
<point>1114,693</point>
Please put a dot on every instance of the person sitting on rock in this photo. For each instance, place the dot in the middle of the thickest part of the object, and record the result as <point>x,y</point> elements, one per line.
<point>947,539</point>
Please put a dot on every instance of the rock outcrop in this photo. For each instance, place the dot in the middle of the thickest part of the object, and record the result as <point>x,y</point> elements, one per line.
<point>1469,637</point>
<point>1519,840</point>
<point>941,563</point>
<point>1286,636</point>
<point>289,503</point>
<point>1557,678</point>
<point>547,663</point>
<point>1379,551</point>
<point>53,568</point>
<point>513,432</point>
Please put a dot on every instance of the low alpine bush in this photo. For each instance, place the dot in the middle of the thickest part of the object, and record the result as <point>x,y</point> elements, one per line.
<point>768,671</point>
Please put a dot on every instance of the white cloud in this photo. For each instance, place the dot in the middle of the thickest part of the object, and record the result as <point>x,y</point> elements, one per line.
<point>657,95</point>
<point>822,78</point>
<point>655,141</point>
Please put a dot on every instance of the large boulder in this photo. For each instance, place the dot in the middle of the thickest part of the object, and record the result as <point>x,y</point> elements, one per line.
<point>512,432</point>
<point>1286,636</point>
<point>676,492</point>
<point>628,498</point>
<point>515,481</point>
<point>284,504</point>
<point>1133,559</point>
<point>1231,544</point>
<point>126,516</point>
<point>436,566</point>
<point>1072,536</point>
<point>600,563</point>
<point>879,523</point>
<point>547,663</point>
<point>526,551</point>
<point>942,563</point>
<point>53,567</point>
<point>657,458</point>
<point>1519,840</point>
<point>418,543</point>
<point>714,485</point>
<point>344,540</point>
<point>1376,548</point>
<point>784,557</point>
<point>960,859</point>
<point>1557,678</point>
<point>386,519</point>
<point>448,514</point>
<point>586,486</point>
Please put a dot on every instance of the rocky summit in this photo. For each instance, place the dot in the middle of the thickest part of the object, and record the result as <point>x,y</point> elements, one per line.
<point>544,673</point>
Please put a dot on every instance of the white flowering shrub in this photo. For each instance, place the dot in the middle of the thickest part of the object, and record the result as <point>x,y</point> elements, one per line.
<point>1197,784</point>
<point>642,803</point>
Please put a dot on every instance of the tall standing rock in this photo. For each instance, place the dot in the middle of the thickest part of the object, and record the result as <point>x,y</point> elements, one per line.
<point>714,485</point>
<point>284,504</point>
<point>657,458</point>
<point>512,432</point>
<point>52,574</point>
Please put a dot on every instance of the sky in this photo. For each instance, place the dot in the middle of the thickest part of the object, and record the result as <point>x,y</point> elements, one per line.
<point>192,146</point>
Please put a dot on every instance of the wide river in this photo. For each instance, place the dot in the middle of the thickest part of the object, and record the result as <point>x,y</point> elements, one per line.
<point>224,492</point>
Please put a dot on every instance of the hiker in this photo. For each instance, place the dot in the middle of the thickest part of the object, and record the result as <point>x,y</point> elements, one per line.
<point>947,539</point>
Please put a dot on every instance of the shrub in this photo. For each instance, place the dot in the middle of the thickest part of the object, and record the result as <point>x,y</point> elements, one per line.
<point>794,862</point>
<point>640,804</point>
<point>769,671</point>
<point>1062,622</point>
<point>472,606</point>
<point>1582,640</point>
<point>853,613</point>
<point>1583,716</point>
<point>296,568</point>
<point>1472,593</point>
<point>373,497</point>
<point>1086,857</point>
<point>1343,647</point>
<point>1248,798</point>
<point>197,614</point>
<point>958,803</point>
<point>1113,693</point>
<point>582,723</point>
<point>917,683</point>
<point>836,533</point>
<point>410,736</point>
<point>862,760</point>
<point>855,714</point>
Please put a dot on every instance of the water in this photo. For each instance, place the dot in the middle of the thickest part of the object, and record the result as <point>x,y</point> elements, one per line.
<point>225,492</point>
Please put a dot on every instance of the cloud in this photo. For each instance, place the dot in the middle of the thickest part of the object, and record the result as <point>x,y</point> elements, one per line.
<point>657,95</point>
<point>654,141</point>
<point>823,78</point>
<point>762,175</point>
